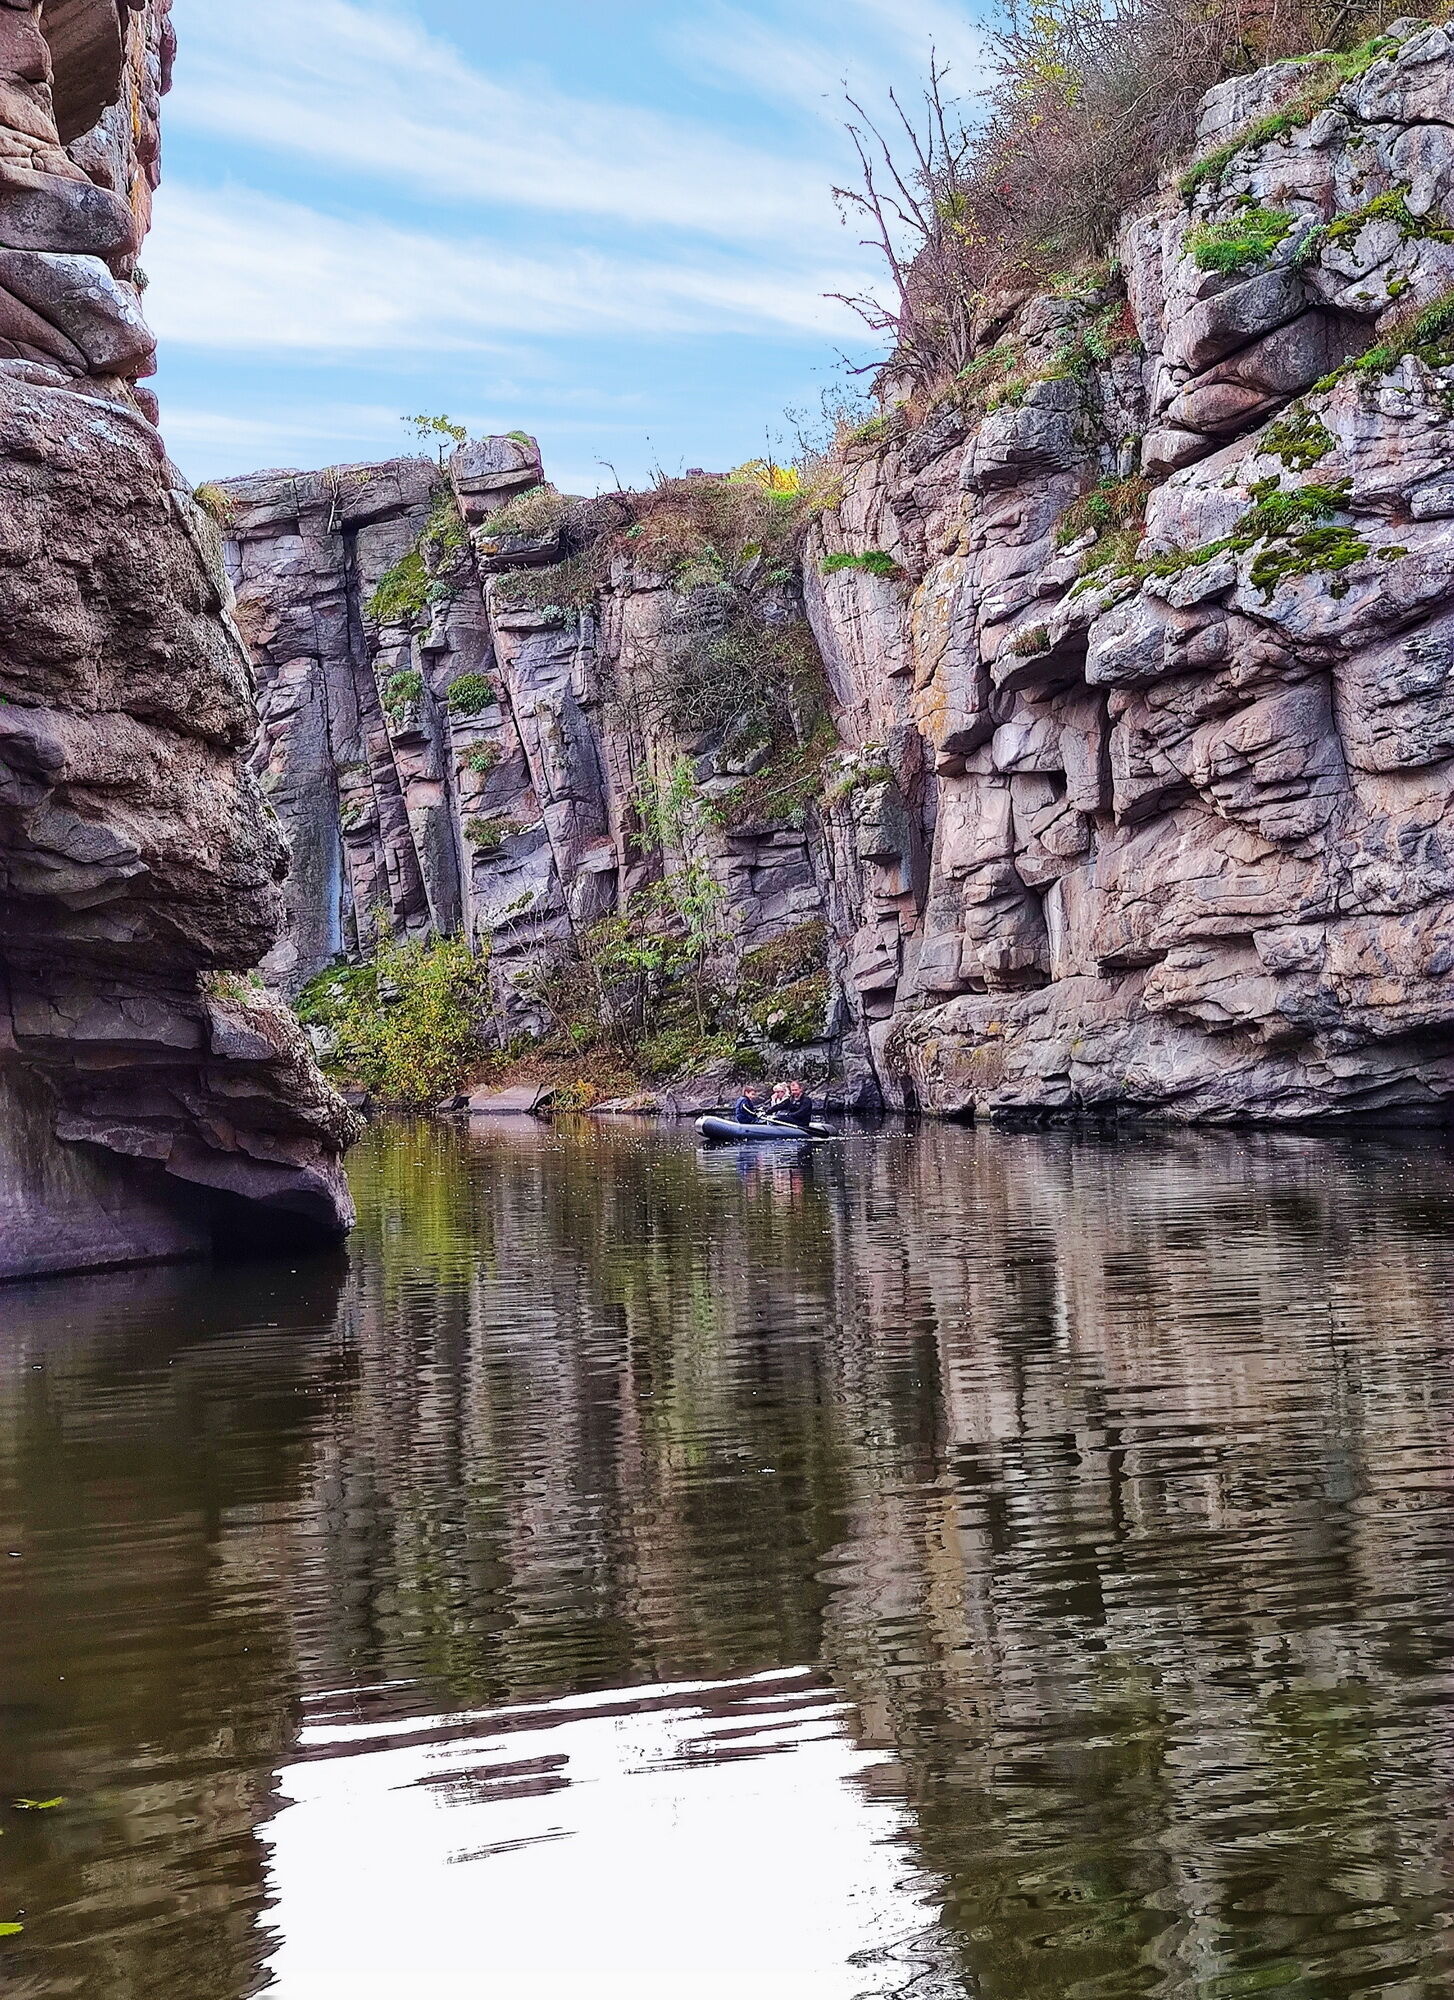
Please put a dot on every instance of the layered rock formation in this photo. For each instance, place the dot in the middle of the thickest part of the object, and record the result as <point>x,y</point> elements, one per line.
<point>1139,647</point>
<point>475,763</point>
<point>151,1101</point>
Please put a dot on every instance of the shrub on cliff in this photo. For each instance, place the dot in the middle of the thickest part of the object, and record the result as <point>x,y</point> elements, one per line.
<point>406,1026</point>
<point>725,667</point>
<point>1088,104</point>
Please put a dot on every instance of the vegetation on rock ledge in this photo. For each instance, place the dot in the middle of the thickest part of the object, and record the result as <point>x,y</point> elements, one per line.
<point>406,1026</point>
<point>1087,106</point>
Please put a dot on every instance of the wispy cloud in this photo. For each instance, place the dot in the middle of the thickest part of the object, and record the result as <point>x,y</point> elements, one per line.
<point>611,222</point>
<point>780,65</point>
<point>235,269</point>
<point>382,100</point>
<point>828,47</point>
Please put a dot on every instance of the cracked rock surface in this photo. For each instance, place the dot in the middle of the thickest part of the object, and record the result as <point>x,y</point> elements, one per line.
<point>153,1100</point>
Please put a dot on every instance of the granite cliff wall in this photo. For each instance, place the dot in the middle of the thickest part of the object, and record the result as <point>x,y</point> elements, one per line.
<point>1140,645</point>
<point>478,763</point>
<point>151,1101</point>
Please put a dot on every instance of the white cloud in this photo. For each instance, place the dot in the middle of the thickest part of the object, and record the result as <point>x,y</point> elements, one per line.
<point>378,97</point>
<point>234,269</point>
<point>783,66</point>
<point>431,219</point>
<point>866,46</point>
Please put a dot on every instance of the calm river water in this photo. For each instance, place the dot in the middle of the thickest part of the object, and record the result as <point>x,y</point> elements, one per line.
<point>948,1564</point>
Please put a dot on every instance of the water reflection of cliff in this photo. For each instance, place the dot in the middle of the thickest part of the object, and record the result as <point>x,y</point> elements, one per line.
<point>1111,1482</point>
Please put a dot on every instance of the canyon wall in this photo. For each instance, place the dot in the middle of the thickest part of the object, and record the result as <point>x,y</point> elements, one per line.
<point>153,1102</point>
<point>477,764</point>
<point>1139,646</point>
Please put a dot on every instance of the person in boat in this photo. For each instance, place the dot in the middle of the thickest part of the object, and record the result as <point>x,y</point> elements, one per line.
<point>778,1104</point>
<point>797,1106</point>
<point>745,1111</point>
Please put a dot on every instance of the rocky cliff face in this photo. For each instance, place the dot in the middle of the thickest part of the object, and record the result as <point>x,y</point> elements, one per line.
<point>150,1101</point>
<point>476,762</point>
<point>1141,655</point>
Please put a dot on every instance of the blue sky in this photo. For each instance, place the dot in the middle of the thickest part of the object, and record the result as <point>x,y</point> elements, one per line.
<point>607,222</point>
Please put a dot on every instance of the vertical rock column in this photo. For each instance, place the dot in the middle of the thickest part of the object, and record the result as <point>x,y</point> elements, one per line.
<point>154,1100</point>
<point>72,218</point>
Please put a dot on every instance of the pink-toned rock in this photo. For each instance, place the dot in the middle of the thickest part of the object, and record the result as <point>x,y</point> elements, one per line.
<point>153,1101</point>
<point>1165,831</point>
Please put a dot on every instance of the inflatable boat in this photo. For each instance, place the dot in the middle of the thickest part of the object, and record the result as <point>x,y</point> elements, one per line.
<point>725,1130</point>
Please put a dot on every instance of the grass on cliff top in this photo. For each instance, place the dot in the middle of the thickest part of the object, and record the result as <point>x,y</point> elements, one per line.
<point>700,528</point>
<point>979,202</point>
<point>537,514</point>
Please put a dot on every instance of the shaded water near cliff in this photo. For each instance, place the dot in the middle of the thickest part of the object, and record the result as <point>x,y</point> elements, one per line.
<point>947,1564</point>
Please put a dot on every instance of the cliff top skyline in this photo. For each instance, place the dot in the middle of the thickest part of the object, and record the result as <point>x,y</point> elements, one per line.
<point>613,227</point>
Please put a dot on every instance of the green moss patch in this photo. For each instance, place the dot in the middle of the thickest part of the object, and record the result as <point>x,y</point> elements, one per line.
<point>868,765</point>
<point>877,562</point>
<point>1295,525</point>
<point>215,500</point>
<point>1244,242</point>
<point>1391,207</point>
<point>1298,439</point>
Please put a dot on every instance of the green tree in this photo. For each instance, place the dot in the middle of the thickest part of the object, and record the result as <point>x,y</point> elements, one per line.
<point>440,431</point>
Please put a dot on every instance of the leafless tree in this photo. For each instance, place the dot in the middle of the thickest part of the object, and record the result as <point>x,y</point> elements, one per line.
<point>914,217</point>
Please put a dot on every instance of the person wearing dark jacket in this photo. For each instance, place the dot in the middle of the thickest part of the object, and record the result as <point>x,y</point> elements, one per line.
<point>744,1111</point>
<point>798,1109</point>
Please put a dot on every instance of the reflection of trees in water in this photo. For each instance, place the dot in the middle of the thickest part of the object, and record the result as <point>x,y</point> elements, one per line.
<point>1111,1479</point>
<point>1154,1689</point>
<point>578,1474</point>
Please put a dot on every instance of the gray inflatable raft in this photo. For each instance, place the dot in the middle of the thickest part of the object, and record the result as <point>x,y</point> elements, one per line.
<point>726,1130</point>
